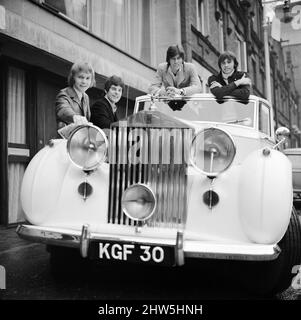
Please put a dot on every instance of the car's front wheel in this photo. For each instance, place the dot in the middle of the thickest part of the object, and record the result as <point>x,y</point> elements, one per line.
<point>271,277</point>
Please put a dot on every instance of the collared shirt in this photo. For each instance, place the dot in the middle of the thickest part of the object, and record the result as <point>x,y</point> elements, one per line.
<point>79,94</point>
<point>176,77</point>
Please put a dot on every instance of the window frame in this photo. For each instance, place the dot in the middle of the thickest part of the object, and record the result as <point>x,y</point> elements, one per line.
<point>202,14</point>
<point>241,52</point>
<point>254,69</point>
<point>57,11</point>
<point>221,35</point>
<point>15,152</point>
<point>269,127</point>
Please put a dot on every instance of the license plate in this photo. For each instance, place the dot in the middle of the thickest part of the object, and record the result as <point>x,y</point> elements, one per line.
<point>133,252</point>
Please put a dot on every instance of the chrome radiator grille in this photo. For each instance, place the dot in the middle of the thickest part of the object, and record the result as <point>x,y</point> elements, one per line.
<point>156,157</point>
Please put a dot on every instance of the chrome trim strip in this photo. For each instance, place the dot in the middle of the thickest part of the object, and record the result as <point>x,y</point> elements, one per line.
<point>141,137</point>
<point>179,250</point>
<point>112,162</point>
<point>160,183</point>
<point>232,252</point>
<point>233,256</point>
<point>155,171</point>
<point>128,166</point>
<point>191,249</point>
<point>49,237</point>
<point>171,185</point>
<point>118,166</point>
<point>123,156</point>
<point>84,241</point>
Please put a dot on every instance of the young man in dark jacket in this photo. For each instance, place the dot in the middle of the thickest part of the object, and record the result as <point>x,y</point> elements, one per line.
<point>229,82</point>
<point>103,111</point>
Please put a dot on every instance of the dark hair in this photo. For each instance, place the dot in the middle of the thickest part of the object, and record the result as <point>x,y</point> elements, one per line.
<point>173,51</point>
<point>114,81</point>
<point>227,55</point>
<point>81,67</point>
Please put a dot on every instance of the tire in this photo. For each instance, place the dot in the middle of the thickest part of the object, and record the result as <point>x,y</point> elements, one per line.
<point>297,203</point>
<point>272,277</point>
<point>64,261</point>
<point>290,256</point>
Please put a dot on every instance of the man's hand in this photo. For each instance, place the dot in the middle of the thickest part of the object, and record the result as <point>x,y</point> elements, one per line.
<point>172,91</point>
<point>215,84</point>
<point>79,120</point>
<point>244,81</point>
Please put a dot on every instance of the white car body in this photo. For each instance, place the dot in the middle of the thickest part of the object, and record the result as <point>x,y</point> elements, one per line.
<point>253,213</point>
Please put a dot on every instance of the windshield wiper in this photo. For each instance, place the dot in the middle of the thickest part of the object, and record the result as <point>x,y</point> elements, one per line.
<point>246,121</point>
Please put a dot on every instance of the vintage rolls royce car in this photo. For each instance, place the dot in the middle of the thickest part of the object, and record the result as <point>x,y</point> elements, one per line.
<point>182,178</point>
<point>294,154</point>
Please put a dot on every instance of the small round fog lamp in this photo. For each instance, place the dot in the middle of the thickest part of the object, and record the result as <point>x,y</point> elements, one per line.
<point>210,198</point>
<point>138,202</point>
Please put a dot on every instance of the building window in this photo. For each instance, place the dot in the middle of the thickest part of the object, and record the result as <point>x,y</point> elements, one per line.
<point>255,17</point>
<point>221,35</point>
<point>241,52</point>
<point>202,16</point>
<point>125,24</point>
<point>17,138</point>
<point>262,76</point>
<point>16,106</point>
<point>74,9</point>
<point>254,67</point>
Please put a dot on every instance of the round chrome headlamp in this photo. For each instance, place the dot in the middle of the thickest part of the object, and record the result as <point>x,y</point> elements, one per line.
<point>138,202</point>
<point>87,147</point>
<point>212,151</point>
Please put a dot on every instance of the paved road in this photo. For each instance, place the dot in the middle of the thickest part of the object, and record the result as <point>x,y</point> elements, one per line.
<point>29,277</point>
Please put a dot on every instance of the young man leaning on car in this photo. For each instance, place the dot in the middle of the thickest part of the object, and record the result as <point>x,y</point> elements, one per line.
<point>229,81</point>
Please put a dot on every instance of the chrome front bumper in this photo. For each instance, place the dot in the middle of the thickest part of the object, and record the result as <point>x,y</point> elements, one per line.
<point>183,248</point>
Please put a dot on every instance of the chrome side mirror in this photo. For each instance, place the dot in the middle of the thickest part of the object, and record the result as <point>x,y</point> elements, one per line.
<point>281,135</point>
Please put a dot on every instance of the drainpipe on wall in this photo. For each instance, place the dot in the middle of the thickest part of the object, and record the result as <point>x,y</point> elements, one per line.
<point>267,57</point>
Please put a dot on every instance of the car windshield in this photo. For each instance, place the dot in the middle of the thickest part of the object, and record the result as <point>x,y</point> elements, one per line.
<point>228,111</point>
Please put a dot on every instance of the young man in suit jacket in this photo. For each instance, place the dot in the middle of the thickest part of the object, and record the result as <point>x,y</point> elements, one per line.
<point>103,111</point>
<point>72,103</point>
<point>175,77</point>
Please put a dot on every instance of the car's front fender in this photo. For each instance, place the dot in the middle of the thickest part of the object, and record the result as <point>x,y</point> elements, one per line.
<point>265,195</point>
<point>49,192</point>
